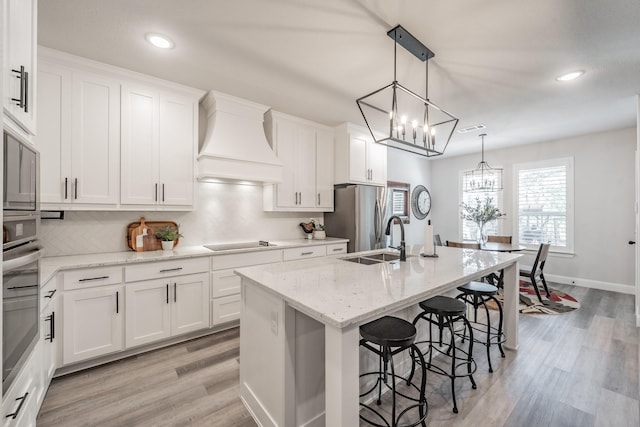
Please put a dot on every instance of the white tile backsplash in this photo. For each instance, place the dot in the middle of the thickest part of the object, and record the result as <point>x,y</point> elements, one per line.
<point>224,213</point>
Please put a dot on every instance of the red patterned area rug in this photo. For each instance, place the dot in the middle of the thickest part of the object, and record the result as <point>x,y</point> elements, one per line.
<point>557,303</point>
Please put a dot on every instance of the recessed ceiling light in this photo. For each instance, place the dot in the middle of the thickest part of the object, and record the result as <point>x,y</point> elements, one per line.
<point>570,76</point>
<point>158,40</point>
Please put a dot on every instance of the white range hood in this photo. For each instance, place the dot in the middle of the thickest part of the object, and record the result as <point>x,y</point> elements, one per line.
<point>235,147</point>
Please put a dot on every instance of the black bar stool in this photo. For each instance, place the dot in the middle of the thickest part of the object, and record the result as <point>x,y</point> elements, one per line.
<point>392,336</point>
<point>477,294</point>
<point>447,311</point>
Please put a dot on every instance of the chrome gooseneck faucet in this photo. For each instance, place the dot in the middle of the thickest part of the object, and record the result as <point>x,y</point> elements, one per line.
<point>402,247</point>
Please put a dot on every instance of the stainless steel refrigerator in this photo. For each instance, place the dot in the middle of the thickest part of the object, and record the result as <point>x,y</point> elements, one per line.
<point>360,215</point>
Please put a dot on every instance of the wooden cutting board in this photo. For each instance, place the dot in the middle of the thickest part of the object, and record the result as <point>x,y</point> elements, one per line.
<point>149,240</point>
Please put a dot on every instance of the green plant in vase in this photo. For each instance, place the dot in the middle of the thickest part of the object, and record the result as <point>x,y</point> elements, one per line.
<point>168,235</point>
<point>481,212</point>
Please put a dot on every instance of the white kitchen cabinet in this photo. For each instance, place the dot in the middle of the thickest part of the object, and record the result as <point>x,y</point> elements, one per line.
<point>19,54</point>
<point>93,322</point>
<point>48,336</point>
<point>78,137</point>
<point>306,151</point>
<point>225,284</point>
<point>19,404</point>
<point>358,159</point>
<point>158,147</point>
<point>162,308</point>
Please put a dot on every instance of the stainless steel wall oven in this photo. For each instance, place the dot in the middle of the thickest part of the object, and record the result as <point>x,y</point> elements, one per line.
<point>21,253</point>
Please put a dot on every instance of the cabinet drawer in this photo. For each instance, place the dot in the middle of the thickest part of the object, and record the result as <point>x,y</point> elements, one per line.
<point>337,248</point>
<point>90,277</point>
<point>223,262</point>
<point>224,282</point>
<point>158,270</point>
<point>225,309</point>
<point>19,404</point>
<point>306,252</point>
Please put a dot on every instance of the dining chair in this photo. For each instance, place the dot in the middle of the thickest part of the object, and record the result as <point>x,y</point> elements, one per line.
<point>437,240</point>
<point>464,245</point>
<point>499,239</point>
<point>536,270</point>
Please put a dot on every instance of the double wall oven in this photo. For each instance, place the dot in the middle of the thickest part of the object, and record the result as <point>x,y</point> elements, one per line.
<point>21,253</point>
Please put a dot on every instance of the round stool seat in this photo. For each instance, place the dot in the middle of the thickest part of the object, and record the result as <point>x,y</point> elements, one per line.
<point>478,288</point>
<point>444,306</point>
<point>389,331</point>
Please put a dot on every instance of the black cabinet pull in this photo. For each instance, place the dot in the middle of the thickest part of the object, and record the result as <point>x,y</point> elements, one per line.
<point>117,302</point>
<point>175,293</point>
<point>26,92</point>
<point>22,287</point>
<point>51,294</point>
<point>156,193</point>
<point>75,190</point>
<point>22,399</point>
<point>170,269</point>
<point>306,253</point>
<point>162,193</point>
<point>167,293</point>
<point>52,319</point>
<point>21,75</point>
<point>632,242</point>
<point>66,183</point>
<point>93,278</point>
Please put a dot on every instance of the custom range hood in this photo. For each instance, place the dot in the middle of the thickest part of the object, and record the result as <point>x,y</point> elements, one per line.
<point>235,147</point>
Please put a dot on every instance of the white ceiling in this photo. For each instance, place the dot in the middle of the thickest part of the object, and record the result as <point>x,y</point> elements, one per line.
<point>496,60</point>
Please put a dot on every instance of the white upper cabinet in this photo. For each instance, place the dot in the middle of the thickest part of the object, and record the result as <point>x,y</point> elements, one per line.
<point>19,74</point>
<point>358,159</point>
<point>306,151</point>
<point>112,139</point>
<point>158,147</point>
<point>78,137</point>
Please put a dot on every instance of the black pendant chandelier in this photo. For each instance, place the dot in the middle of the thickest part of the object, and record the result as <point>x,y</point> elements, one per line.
<point>483,178</point>
<point>402,119</point>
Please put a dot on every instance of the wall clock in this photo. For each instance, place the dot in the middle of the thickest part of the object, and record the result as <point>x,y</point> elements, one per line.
<point>420,202</point>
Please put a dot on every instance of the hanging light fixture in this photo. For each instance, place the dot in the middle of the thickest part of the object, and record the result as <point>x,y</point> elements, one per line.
<point>483,178</point>
<point>402,119</point>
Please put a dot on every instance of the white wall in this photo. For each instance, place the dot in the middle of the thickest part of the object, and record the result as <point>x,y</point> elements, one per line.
<point>224,213</point>
<point>604,173</point>
<point>415,170</point>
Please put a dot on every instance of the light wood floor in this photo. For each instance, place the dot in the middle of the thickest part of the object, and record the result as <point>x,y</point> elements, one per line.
<point>576,369</point>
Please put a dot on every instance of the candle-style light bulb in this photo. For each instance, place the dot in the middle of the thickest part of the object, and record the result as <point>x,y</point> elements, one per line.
<point>425,130</point>
<point>414,124</point>
<point>403,121</point>
<point>390,123</point>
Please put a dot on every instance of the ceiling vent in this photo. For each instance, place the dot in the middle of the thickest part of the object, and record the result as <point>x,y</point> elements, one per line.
<point>471,128</point>
<point>235,147</point>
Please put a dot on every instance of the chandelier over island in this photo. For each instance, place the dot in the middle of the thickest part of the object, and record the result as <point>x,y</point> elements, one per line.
<point>400,118</point>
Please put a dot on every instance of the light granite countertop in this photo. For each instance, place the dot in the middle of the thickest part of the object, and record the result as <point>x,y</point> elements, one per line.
<point>49,266</point>
<point>340,293</point>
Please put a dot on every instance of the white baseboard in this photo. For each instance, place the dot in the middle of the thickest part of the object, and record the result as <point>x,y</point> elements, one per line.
<point>595,284</point>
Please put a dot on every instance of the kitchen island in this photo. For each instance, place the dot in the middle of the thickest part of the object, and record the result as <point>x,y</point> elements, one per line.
<point>299,339</point>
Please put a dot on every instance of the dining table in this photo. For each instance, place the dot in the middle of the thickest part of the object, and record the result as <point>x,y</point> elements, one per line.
<point>501,247</point>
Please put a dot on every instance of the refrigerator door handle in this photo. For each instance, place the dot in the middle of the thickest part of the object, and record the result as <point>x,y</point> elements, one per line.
<point>378,221</point>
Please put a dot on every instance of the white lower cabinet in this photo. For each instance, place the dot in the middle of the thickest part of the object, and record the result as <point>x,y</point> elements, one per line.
<point>93,322</point>
<point>162,308</point>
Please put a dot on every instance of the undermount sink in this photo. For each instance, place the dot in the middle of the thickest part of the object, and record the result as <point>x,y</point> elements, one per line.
<point>239,245</point>
<point>362,260</point>
<point>373,258</point>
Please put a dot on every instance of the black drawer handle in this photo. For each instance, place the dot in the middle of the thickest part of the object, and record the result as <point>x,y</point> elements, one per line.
<point>337,249</point>
<point>22,287</point>
<point>93,278</point>
<point>117,302</point>
<point>306,253</point>
<point>167,293</point>
<point>170,269</point>
<point>22,399</point>
<point>51,294</point>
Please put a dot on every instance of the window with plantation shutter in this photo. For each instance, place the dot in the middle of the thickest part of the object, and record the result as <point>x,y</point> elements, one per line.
<point>544,198</point>
<point>469,229</point>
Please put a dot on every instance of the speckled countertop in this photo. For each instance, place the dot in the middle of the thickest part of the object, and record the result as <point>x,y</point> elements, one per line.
<point>49,266</point>
<point>340,293</point>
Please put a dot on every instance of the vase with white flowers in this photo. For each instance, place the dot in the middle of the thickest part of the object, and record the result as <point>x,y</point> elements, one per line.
<point>481,212</point>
